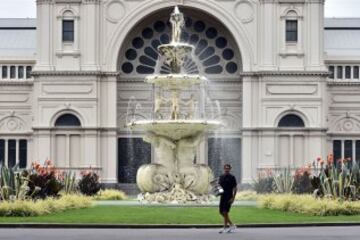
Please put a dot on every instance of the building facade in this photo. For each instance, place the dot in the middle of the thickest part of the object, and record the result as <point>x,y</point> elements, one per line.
<point>286,78</point>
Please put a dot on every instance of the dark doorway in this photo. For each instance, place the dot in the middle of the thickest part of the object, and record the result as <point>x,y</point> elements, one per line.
<point>225,150</point>
<point>132,153</point>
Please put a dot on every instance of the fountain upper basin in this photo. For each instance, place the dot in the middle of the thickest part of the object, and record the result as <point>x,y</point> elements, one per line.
<point>175,129</point>
<point>175,50</point>
<point>175,81</point>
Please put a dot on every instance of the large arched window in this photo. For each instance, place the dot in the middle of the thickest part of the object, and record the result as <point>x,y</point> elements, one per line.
<point>214,48</point>
<point>67,120</point>
<point>291,120</point>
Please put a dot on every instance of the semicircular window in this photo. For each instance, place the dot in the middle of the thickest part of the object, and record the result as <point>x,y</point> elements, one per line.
<point>214,52</point>
<point>67,120</point>
<point>291,120</point>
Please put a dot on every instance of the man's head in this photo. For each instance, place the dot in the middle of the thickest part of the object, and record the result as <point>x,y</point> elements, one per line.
<point>227,168</point>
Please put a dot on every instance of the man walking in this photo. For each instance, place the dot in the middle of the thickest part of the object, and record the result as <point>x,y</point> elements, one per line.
<point>228,182</point>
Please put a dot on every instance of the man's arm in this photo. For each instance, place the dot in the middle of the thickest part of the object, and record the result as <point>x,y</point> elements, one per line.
<point>234,191</point>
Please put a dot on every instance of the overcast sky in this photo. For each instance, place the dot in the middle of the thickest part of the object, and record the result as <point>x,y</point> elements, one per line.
<point>26,8</point>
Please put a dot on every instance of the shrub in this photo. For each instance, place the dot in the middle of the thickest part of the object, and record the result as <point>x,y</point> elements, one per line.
<point>25,208</point>
<point>264,182</point>
<point>307,204</point>
<point>110,194</point>
<point>246,196</point>
<point>302,181</point>
<point>89,183</point>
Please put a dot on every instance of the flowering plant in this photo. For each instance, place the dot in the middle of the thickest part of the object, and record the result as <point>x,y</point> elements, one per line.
<point>302,180</point>
<point>89,183</point>
<point>336,181</point>
<point>45,180</point>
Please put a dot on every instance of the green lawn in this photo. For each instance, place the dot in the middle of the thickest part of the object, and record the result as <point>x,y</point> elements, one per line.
<point>173,215</point>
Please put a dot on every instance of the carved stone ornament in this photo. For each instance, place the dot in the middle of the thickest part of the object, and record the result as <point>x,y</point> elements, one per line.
<point>115,11</point>
<point>244,11</point>
<point>12,124</point>
<point>348,125</point>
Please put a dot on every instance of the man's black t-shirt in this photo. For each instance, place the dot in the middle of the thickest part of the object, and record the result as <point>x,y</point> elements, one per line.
<point>227,182</point>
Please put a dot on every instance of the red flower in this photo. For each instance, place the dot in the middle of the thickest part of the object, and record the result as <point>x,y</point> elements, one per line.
<point>48,162</point>
<point>330,159</point>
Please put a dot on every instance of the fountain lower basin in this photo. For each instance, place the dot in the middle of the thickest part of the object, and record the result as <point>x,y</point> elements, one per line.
<point>175,129</point>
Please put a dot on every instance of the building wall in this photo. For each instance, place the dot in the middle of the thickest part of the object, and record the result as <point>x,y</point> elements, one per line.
<point>277,77</point>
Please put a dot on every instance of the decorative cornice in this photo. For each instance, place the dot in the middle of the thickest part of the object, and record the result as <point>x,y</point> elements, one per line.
<point>91,1</point>
<point>285,73</point>
<point>74,73</point>
<point>39,2</point>
<point>293,1</point>
<point>68,1</point>
<point>82,129</point>
<point>284,129</point>
<point>343,82</point>
<point>16,82</point>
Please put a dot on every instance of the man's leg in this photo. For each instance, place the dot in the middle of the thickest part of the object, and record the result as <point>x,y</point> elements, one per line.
<point>224,214</point>
<point>224,229</point>
<point>232,227</point>
<point>227,218</point>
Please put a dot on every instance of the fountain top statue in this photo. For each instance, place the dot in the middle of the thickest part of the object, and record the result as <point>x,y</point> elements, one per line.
<point>176,51</point>
<point>177,21</point>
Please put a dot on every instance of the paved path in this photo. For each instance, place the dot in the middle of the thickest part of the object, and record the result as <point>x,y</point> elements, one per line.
<point>309,233</point>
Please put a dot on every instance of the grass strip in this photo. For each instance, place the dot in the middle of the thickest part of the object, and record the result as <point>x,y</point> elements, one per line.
<point>175,215</point>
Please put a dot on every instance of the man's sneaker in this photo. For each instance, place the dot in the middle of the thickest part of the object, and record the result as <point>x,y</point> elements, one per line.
<point>223,230</point>
<point>231,229</point>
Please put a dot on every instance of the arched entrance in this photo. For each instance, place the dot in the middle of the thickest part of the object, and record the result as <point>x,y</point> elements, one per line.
<point>216,56</point>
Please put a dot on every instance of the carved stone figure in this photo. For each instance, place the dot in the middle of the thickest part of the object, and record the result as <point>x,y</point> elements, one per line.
<point>177,21</point>
<point>175,107</point>
<point>186,149</point>
<point>191,107</point>
<point>197,178</point>
<point>153,178</point>
<point>159,102</point>
<point>164,150</point>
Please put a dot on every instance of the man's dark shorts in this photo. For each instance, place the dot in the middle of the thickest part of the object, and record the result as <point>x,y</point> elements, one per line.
<point>225,204</point>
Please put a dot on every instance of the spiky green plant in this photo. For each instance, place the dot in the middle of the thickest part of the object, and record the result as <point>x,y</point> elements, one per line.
<point>13,184</point>
<point>69,182</point>
<point>341,182</point>
<point>284,181</point>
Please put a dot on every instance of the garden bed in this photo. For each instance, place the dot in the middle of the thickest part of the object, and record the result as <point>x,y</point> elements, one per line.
<point>307,204</point>
<point>27,208</point>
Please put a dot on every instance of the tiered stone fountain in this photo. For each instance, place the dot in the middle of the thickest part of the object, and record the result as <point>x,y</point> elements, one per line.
<point>174,132</point>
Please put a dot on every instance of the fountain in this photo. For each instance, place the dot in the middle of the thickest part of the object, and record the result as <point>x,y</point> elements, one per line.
<point>175,132</point>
